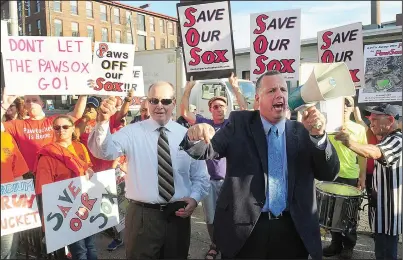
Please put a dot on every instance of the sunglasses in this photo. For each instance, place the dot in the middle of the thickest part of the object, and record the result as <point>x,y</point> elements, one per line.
<point>164,101</point>
<point>58,127</point>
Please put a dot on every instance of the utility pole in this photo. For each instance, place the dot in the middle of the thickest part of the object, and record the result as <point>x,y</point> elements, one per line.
<point>13,9</point>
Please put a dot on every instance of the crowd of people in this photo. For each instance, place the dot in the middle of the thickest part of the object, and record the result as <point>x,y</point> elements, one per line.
<point>254,172</point>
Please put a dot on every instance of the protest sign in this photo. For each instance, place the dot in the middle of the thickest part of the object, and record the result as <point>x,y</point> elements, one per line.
<point>19,208</point>
<point>112,67</point>
<point>77,208</point>
<point>35,65</point>
<point>344,44</point>
<point>122,200</point>
<point>275,43</point>
<point>383,73</point>
<point>136,82</point>
<point>208,44</point>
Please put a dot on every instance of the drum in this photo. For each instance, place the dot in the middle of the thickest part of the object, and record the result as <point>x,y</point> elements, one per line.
<point>338,206</point>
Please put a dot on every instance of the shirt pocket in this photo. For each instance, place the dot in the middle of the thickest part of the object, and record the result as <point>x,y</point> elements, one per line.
<point>181,163</point>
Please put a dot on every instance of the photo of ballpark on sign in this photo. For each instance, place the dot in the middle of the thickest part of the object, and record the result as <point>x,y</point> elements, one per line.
<point>208,45</point>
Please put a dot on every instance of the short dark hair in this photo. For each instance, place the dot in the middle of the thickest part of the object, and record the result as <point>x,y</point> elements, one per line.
<point>267,73</point>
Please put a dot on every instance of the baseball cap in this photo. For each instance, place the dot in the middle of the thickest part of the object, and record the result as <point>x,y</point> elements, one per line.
<point>224,99</point>
<point>385,109</point>
<point>94,101</point>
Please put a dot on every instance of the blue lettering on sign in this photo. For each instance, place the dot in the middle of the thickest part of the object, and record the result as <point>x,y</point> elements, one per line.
<point>17,187</point>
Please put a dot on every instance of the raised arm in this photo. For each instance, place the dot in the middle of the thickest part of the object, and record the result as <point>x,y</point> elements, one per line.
<point>79,108</point>
<point>190,117</point>
<point>125,107</point>
<point>238,93</point>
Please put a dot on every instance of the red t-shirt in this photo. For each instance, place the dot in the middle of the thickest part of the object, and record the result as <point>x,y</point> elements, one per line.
<point>371,139</point>
<point>31,135</point>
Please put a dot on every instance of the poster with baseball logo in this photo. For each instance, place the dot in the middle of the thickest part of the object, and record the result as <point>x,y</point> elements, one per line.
<point>275,43</point>
<point>344,44</point>
<point>113,65</point>
<point>208,44</point>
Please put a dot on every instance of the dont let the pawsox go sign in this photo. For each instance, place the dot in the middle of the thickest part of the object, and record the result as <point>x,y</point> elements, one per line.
<point>208,45</point>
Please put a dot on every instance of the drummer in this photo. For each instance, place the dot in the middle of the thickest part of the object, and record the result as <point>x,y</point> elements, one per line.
<point>350,173</point>
<point>387,178</point>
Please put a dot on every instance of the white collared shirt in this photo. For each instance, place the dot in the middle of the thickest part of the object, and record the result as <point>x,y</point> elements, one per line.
<point>139,143</point>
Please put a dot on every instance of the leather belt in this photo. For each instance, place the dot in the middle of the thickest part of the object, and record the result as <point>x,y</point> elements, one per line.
<point>160,207</point>
<point>270,215</point>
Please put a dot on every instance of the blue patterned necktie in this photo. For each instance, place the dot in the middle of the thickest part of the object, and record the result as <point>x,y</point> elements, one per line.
<point>277,200</point>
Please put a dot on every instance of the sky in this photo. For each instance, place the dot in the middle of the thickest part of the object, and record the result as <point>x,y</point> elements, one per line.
<point>316,15</point>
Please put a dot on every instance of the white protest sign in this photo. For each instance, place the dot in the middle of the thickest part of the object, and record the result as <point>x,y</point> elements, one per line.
<point>77,208</point>
<point>19,208</point>
<point>344,44</point>
<point>275,43</point>
<point>383,73</point>
<point>136,82</point>
<point>35,65</point>
<point>112,67</point>
<point>207,39</point>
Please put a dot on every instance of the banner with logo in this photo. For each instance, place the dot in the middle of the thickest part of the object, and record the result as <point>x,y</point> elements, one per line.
<point>383,73</point>
<point>77,208</point>
<point>275,43</point>
<point>344,44</point>
<point>208,44</point>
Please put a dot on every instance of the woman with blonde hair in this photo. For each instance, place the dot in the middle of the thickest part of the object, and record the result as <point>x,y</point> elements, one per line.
<point>63,159</point>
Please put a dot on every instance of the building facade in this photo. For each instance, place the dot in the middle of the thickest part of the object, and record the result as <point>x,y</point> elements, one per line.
<point>101,20</point>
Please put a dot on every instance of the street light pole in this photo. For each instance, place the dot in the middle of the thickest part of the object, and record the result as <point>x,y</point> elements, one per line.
<point>12,5</point>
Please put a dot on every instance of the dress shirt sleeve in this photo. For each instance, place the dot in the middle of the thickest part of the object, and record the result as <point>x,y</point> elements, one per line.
<point>319,142</point>
<point>199,179</point>
<point>104,145</point>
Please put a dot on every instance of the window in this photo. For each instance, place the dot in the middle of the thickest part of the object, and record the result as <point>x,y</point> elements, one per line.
<point>162,43</point>
<point>152,43</point>
<point>141,43</point>
<point>27,8</point>
<point>116,14</point>
<point>104,32</point>
<point>74,29</point>
<point>171,44</point>
<point>57,6</point>
<point>73,7</point>
<point>103,13</point>
<point>29,29</point>
<point>58,27</point>
<point>141,25</point>
<point>88,9</point>
<point>90,32</point>
<point>19,8</point>
<point>170,28</point>
<point>38,6</point>
<point>38,27</point>
<point>162,26</point>
<point>117,37</point>
<point>152,25</point>
<point>129,39</point>
<point>128,18</point>
<point>246,74</point>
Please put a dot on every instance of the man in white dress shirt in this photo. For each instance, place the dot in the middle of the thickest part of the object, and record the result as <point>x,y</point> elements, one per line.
<point>164,184</point>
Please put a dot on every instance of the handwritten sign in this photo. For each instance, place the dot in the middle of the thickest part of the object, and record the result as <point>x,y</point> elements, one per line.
<point>113,65</point>
<point>383,73</point>
<point>35,65</point>
<point>77,208</point>
<point>19,208</point>
<point>344,44</point>
<point>136,82</point>
<point>275,43</point>
<point>208,43</point>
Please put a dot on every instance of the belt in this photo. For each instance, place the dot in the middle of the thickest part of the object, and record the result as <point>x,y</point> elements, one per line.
<point>160,207</point>
<point>270,215</point>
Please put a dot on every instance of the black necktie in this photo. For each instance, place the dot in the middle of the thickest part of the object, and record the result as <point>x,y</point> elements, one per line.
<point>166,187</point>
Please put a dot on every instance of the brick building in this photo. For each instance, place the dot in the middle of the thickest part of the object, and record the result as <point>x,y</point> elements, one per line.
<point>101,20</point>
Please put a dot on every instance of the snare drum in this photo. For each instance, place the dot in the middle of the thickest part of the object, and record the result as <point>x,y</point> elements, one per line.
<point>338,206</point>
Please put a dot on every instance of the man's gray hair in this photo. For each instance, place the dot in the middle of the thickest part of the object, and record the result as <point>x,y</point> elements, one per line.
<point>267,73</point>
<point>162,83</point>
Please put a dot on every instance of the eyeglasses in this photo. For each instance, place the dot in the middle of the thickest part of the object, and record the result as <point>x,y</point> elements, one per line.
<point>58,127</point>
<point>215,107</point>
<point>164,101</point>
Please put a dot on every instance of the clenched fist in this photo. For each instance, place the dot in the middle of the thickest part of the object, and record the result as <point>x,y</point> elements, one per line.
<point>107,109</point>
<point>314,121</point>
<point>201,132</point>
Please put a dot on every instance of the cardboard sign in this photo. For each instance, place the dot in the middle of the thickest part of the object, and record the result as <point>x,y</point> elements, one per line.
<point>77,208</point>
<point>113,66</point>
<point>275,43</point>
<point>383,73</point>
<point>344,44</point>
<point>208,44</point>
<point>35,65</point>
<point>19,208</point>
